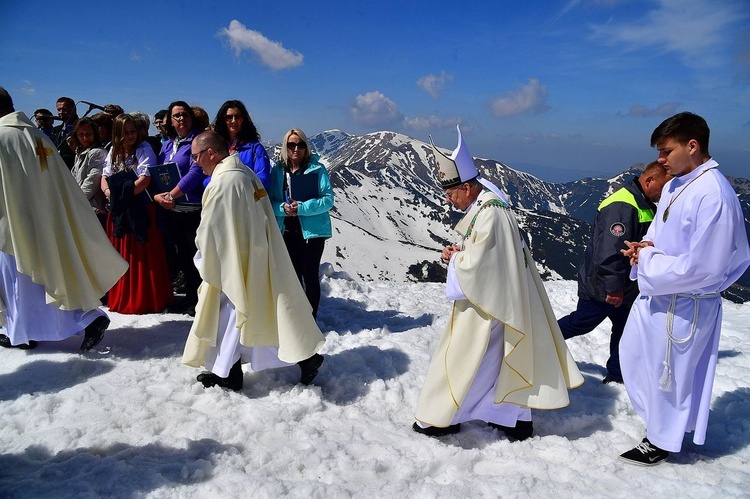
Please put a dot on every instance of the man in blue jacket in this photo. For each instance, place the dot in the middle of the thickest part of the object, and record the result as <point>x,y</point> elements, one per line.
<point>604,286</point>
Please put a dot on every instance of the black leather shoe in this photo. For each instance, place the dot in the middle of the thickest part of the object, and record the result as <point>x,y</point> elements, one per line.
<point>5,343</point>
<point>184,305</point>
<point>436,431</point>
<point>611,379</point>
<point>309,368</point>
<point>522,430</point>
<point>94,333</point>
<point>232,382</point>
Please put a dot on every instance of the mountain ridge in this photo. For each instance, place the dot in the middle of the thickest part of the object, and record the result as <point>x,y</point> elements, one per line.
<point>391,220</point>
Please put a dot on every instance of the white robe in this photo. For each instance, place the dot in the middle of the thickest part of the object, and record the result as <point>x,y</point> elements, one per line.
<point>700,250</point>
<point>29,316</point>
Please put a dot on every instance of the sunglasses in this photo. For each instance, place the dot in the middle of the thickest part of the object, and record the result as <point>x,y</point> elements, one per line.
<point>295,145</point>
<point>233,117</point>
<point>180,116</point>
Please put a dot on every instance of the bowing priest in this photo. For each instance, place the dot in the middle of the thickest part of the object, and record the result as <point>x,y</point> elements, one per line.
<point>251,307</point>
<point>502,353</point>
<point>55,260</point>
<point>695,248</point>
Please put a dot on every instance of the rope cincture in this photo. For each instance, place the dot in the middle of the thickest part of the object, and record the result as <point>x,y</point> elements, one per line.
<point>665,383</point>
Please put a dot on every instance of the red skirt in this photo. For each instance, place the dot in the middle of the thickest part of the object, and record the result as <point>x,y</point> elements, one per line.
<point>145,288</point>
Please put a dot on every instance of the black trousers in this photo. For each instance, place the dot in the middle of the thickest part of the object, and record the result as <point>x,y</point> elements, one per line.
<point>587,316</point>
<point>306,255</point>
<point>181,229</point>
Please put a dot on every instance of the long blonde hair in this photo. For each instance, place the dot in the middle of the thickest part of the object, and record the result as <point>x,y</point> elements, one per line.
<point>119,154</point>
<point>284,151</point>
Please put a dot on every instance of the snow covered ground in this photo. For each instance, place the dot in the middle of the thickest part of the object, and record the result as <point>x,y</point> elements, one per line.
<point>128,420</point>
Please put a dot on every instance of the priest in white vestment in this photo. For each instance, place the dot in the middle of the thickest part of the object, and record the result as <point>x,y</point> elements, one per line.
<point>55,260</point>
<point>695,248</point>
<point>502,353</point>
<point>251,307</point>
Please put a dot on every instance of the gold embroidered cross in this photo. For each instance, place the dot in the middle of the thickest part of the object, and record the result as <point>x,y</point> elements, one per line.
<point>42,152</point>
<point>259,192</point>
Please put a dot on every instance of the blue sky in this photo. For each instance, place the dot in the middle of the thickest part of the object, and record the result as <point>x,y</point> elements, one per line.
<point>575,86</point>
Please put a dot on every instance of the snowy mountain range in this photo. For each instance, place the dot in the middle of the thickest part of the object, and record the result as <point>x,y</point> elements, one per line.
<point>390,219</point>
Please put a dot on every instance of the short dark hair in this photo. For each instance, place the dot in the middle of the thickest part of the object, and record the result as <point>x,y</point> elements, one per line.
<point>103,119</point>
<point>43,112</point>
<point>113,109</point>
<point>655,169</point>
<point>6,102</point>
<point>171,132</point>
<point>683,127</point>
<point>160,115</point>
<point>68,100</point>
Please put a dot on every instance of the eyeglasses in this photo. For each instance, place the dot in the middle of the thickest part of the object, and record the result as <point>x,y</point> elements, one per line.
<point>180,116</point>
<point>233,117</point>
<point>449,192</point>
<point>197,155</point>
<point>295,145</point>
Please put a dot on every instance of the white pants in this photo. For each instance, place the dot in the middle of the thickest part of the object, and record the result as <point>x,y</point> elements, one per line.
<point>479,403</point>
<point>27,313</point>
<point>220,359</point>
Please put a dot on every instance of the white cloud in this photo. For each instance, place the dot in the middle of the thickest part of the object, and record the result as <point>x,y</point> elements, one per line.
<point>531,98</point>
<point>135,56</point>
<point>430,122</point>
<point>375,109</point>
<point>272,54</point>
<point>28,88</point>
<point>666,109</point>
<point>434,84</point>
<point>694,29</point>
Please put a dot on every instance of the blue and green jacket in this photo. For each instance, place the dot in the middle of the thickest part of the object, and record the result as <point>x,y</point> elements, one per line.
<point>313,213</point>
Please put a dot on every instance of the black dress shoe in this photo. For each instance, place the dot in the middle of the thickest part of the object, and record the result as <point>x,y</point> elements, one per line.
<point>436,431</point>
<point>5,343</point>
<point>309,368</point>
<point>611,379</point>
<point>522,430</point>
<point>232,382</point>
<point>94,333</point>
<point>184,305</point>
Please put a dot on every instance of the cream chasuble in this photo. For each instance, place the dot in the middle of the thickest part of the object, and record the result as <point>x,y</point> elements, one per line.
<point>244,256</point>
<point>47,223</point>
<point>499,279</point>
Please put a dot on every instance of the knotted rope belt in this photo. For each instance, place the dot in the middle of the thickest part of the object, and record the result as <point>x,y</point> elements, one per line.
<point>665,383</point>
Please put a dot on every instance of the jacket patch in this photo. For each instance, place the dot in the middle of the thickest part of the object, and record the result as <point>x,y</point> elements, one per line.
<point>617,229</point>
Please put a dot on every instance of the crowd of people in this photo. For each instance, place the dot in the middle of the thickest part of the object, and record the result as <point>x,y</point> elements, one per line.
<point>243,241</point>
<point>152,195</point>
